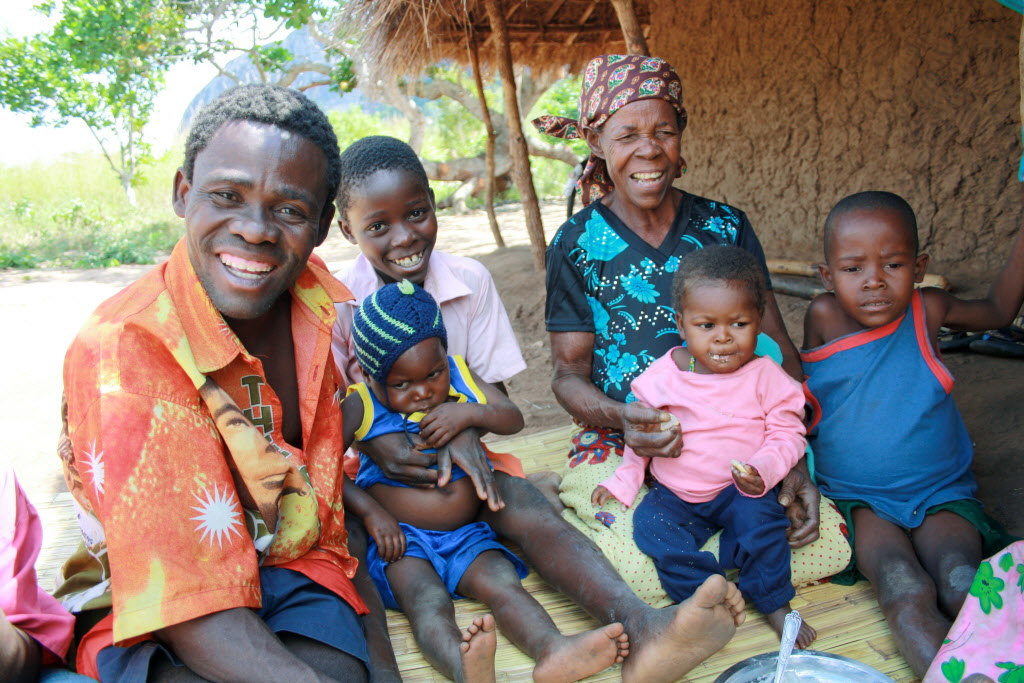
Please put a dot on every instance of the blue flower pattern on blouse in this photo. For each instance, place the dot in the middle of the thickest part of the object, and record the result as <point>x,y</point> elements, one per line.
<point>599,240</point>
<point>627,286</point>
<point>638,287</point>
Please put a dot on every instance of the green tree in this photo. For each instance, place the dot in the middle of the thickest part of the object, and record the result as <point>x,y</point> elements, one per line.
<point>103,63</point>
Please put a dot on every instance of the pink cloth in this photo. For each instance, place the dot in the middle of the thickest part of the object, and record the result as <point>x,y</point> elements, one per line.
<point>988,634</point>
<point>26,605</point>
<point>477,324</point>
<point>754,415</point>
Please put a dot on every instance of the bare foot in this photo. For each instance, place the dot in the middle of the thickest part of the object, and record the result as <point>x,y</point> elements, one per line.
<point>575,657</point>
<point>668,642</point>
<point>547,483</point>
<point>479,642</point>
<point>777,619</point>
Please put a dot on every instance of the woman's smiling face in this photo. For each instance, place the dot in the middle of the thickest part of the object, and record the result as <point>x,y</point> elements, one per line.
<point>640,146</point>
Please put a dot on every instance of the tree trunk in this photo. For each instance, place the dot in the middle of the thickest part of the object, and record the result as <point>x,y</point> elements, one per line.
<point>636,44</point>
<point>492,218</point>
<point>517,142</point>
<point>129,191</point>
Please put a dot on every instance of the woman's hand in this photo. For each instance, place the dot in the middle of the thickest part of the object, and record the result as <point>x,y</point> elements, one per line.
<point>644,430</point>
<point>385,531</point>
<point>801,499</point>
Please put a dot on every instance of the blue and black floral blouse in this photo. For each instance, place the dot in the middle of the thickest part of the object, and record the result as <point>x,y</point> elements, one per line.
<point>603,278</point>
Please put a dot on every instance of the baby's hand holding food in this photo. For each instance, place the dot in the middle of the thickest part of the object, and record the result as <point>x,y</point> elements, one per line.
<point>747,478</point>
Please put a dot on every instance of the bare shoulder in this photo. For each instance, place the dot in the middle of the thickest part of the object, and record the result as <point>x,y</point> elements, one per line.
<point>823,321</point>
<point>937,303</point>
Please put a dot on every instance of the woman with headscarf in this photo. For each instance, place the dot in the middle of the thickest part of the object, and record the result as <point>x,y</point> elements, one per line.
<point>610,310</point>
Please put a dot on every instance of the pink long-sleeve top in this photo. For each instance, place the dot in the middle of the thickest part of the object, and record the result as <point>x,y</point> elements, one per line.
<point>754,415</point>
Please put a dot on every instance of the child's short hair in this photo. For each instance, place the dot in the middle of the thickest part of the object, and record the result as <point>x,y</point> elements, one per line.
<point>872,200</point>
<point>366,156</point>
<point>716,263</point>
<point>392,320</point>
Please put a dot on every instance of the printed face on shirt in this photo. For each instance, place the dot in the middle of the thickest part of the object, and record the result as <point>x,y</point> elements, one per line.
<point>720,322</point>
<point>253,211</point>
<point>418,380</point>
<point>391,219</point>
<point>871,266</point>
<point>640,146</point>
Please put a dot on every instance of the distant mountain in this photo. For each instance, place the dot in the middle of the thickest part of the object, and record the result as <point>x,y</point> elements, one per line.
<point>305,49</point>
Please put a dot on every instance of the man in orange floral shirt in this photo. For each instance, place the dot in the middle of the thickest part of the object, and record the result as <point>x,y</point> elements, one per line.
<point>203,435</point>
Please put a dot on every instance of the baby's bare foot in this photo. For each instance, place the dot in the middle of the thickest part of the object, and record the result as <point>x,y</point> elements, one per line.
<point>777,620</point>
<point>479,642</point>
<point>668,642</point>
<point>547,482</point>
<point>572,658</point>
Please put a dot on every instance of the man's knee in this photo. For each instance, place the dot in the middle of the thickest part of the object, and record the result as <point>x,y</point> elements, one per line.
<point>325,659</point>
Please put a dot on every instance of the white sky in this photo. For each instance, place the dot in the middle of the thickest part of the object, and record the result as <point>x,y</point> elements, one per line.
<point>23,144</point>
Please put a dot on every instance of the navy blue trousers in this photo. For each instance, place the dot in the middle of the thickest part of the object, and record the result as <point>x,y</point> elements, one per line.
<point>671,532</point>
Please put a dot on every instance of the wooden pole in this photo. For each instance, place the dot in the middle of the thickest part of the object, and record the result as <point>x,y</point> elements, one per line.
<point>474,55</point>
<point>636,44</point>
<point>517,140</point>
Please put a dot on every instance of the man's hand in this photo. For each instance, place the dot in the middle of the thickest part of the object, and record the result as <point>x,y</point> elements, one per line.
<point>401,461</point>
<point>385,531</point>
<point>644,431</point>
<point>801,499</point>
<point>466,451</point>
<point>446,421</point>
<point>747,478</point>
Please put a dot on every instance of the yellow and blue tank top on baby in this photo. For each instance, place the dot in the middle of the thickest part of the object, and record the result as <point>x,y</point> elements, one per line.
<point>885,427</point>
<point>378,419</point>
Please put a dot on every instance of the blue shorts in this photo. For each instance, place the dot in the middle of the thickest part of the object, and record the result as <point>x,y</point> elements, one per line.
<point>450,553</point>
<point>292,603</point>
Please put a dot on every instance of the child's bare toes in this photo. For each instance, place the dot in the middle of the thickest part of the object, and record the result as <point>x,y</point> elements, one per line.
<point>479,643</point>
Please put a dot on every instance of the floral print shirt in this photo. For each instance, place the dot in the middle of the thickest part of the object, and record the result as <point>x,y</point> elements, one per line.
<point>174,528</point>
<point>603,278</point>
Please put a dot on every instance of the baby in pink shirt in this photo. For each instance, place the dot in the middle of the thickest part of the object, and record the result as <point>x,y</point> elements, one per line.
<point>731,406</point>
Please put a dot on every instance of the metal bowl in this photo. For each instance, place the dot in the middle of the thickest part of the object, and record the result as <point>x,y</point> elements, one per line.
<point>804,665</point>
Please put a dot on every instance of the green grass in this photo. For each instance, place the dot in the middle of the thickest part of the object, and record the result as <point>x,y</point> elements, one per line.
<point>72,213</point>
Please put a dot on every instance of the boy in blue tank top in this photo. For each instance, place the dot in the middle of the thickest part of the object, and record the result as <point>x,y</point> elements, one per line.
<point>428,544</point>
<point>890,446</point>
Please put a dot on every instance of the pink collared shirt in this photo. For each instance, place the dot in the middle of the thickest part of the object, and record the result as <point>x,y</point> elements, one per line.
<point>474,317</point>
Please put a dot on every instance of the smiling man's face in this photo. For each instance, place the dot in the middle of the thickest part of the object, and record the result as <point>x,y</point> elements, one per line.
<point>253,210</point>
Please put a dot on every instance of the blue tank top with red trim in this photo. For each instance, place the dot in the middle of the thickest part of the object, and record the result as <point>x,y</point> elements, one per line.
<point>377,420</point>
<point>885,429</point>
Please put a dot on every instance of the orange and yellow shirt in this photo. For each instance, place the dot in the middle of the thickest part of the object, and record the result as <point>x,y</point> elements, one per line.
<point>183,483</point>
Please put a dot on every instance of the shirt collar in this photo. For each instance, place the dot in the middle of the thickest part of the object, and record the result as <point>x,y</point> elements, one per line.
<point>214,344</point>
<point>441,282</point>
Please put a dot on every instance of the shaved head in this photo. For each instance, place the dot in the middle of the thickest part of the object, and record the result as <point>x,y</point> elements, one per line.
<point>869,202</point>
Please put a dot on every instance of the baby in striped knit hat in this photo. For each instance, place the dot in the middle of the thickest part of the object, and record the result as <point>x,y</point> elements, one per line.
<point>429,545</point>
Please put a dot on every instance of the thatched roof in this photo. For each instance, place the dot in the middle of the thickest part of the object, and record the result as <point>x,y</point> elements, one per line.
<point>402,37</point>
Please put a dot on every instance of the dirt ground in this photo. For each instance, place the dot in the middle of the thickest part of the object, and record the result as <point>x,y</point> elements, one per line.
<point>42,310</point>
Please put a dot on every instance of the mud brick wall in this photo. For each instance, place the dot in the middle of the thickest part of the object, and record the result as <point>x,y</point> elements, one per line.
<point>794,104</point>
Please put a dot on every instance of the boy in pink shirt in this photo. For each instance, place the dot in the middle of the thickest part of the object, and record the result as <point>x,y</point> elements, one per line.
<point>731,405</point>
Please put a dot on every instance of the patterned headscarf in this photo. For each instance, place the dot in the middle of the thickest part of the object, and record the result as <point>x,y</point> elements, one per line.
<point>610,82</point>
